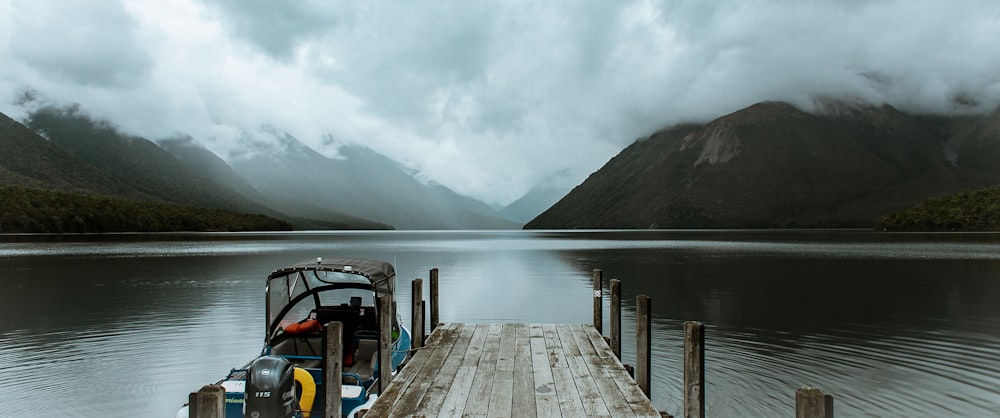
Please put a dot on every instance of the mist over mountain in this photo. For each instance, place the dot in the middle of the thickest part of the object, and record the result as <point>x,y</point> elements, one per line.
<point>304,213</point>
<point>134,161</point>
<point>28,160</point>
<point>539,198</point>
<point>359,181</point>
<point>274,174</point>
<point>46,189</point>
<point>772,165</point>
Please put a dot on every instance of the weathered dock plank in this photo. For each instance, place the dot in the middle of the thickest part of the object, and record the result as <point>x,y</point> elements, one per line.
<point>502,394</point>
<point>523,400</point>
<point>523,370</point>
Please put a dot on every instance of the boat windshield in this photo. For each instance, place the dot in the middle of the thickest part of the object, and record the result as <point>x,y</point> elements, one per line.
<point>292,297</point>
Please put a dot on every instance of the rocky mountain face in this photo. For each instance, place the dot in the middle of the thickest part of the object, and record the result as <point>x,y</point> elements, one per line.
<point>771,165</point>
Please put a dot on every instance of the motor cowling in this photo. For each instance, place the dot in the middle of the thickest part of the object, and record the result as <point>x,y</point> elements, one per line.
<point>270,388</point>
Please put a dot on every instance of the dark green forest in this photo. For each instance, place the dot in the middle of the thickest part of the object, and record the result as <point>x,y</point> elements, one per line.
<point>41,211</point>
<point>977,210</point>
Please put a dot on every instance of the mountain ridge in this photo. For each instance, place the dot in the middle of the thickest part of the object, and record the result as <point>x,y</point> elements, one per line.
<point>769,165</point>
<point>362,190</point>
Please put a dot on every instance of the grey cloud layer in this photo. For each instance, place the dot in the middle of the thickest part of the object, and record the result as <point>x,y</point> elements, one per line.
<point>487,97</point>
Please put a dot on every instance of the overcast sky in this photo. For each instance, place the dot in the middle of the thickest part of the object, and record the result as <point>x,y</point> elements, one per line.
<point>485,97</point>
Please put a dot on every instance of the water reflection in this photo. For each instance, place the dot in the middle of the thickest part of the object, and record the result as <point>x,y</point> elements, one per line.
<point>891,325</point>
<point>866,321</point>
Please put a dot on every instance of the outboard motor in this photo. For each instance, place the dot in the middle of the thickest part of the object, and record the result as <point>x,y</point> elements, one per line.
<point>270,388</point>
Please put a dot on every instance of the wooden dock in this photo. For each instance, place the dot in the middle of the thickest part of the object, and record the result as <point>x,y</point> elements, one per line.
<point>522,370</point>
<point>513,370</point>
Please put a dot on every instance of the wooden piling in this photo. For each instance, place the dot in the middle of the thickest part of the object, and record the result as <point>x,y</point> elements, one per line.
<point>616,317</point>
<point>333,369</point>
<point>694,369</point>
<point>417,313</point>
<point>598,301</point>
<point>435,306</point>
<point>208,402</point>
<point>813,403</point>
<point>385,342</point>
<point>643,343</point>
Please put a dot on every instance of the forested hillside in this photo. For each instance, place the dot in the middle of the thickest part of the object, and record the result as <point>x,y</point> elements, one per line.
<point>46,189</point>
<point>977,210</point>
<point>40,211</point>
<point>28,160</point>
<point>135,162</point>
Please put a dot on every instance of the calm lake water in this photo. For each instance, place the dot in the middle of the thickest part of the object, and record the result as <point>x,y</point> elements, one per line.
<point>889,324</point>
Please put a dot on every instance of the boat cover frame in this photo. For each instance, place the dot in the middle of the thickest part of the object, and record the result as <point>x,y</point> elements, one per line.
<point>380,275</point>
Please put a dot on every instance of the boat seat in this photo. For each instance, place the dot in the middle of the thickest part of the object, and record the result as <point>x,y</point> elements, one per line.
<point>365,357</point>
<point>366,347</point>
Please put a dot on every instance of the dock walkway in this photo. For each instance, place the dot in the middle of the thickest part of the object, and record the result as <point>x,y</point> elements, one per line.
<point>513,370</point>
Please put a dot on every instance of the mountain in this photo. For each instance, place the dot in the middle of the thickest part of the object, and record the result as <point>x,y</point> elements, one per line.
<point>135,162</point>
<point>978,146</point>
<point>359,182</point>
<point>275,175</point>
<point>194,177</point>
<point>28,160</point>
<point>304,213</point>
<point>196,157</point>
<point>772,165</point>
<point>46,189</point>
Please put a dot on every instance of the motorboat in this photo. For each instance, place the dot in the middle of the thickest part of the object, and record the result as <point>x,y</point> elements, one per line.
<point>287,378</point>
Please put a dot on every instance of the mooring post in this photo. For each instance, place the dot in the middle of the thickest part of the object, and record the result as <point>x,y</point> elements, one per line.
<point>435,317</point>
<point>616,317</point>
<point>334,368</point>
<point>694,369</point>
<point>643,343</point>
<point>417,313</point>
<point>385,343</point>
<point>598,301</point>
<point>813,403</point>
<point>208,402</point>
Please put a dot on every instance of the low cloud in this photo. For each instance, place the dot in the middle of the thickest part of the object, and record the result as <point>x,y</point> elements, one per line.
<point>486,98</point>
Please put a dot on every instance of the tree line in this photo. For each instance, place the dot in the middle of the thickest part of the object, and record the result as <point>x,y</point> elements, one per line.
<point>25,210</point>
<point>977,210</point>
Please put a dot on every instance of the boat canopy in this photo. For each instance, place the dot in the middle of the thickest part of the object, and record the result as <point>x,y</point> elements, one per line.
<point>293,291</point>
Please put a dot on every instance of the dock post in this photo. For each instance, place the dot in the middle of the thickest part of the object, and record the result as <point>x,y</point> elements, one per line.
<point>334,368</point>
<point>694,369</point>
<point>598,301</point>
<point>385,343</point>
<point>417,314</point>
<point>435,317</point>
<point>616,317</point>
<point>813,403</point>
<point>208,402</point>
<point>643,343</point>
